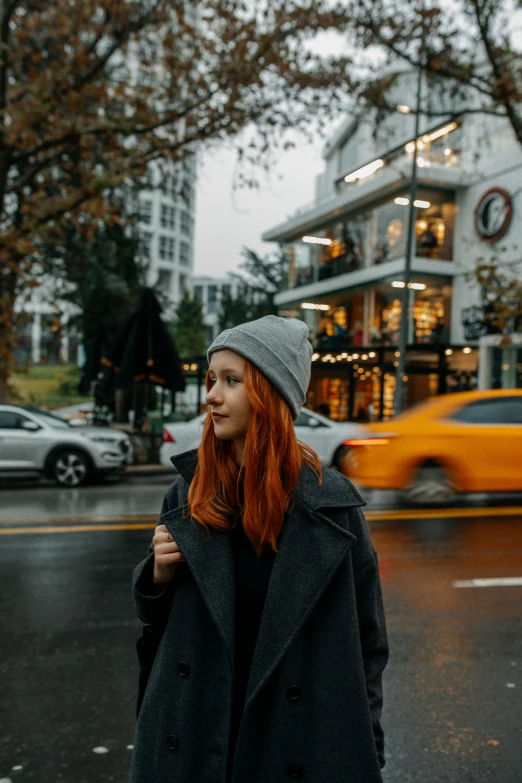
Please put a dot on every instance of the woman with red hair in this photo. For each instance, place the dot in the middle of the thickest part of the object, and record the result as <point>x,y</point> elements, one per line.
<point>265,639</point>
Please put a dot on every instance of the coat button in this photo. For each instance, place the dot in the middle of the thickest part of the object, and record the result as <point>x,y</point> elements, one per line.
<point>293,693</point>
<point>183,669</point>
<point>295,770</point>
<point>172,742</point>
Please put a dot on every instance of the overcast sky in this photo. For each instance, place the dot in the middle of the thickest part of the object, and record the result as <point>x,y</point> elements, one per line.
<point>227,220</point>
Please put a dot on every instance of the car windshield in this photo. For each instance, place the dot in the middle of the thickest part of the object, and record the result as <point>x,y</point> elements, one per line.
<point>424,406</point>
<point>315,415</point>
<point>49,418</point>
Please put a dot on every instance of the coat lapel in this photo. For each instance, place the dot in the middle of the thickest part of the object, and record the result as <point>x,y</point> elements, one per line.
<point>310,549</point>
<point>209,557</point>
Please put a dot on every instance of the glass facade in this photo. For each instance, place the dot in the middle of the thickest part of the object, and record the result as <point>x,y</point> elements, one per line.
<point>359,385</point>
<point>355,324</point>
<point>372,317</point>
<point>374,237</point>
<point>437,148</point>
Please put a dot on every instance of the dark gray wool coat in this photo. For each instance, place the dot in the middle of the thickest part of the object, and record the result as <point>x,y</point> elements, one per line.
<point>314,697</point>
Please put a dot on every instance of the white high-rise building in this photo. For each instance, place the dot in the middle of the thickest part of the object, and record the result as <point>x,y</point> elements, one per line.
<point>166,227</point>
<point>210,291</point>
<point>166,248</point>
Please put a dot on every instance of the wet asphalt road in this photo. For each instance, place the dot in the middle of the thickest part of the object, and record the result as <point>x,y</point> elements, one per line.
<point>68,670</point>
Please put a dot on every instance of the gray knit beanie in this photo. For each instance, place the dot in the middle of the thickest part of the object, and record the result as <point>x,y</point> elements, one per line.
<point>280,348</point>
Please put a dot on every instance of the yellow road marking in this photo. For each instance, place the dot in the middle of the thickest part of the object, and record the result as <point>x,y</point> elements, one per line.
<point>72,529</point>
<point>92,520</point>
<point>445,513</point>
<point>149,521</point>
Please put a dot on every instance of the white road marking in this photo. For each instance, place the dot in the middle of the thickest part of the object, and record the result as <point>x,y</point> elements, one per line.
<point>17,768</point>
<point>130,747</point>
<point>507,581</point>
<point>6,780</point>
<point>100,749</point>
<point>511,685</point>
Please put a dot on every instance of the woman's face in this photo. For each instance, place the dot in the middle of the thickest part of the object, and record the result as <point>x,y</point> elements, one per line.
<point>227,398</point>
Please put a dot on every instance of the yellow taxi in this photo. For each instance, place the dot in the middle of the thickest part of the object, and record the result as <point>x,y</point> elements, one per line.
<point>455,443</point>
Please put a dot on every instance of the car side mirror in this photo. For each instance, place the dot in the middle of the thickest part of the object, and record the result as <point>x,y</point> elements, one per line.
<point>32,426</point>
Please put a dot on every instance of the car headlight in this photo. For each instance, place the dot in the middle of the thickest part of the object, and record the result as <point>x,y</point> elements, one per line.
<point>101,439</point>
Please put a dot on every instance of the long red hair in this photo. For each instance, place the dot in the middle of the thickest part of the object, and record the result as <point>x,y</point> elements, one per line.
<point>264,488</point>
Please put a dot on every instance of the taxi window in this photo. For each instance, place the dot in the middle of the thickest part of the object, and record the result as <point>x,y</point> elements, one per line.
<point>502,410</point>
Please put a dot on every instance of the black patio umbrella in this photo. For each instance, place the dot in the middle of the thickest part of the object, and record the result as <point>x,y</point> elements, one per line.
<point>144,352</point>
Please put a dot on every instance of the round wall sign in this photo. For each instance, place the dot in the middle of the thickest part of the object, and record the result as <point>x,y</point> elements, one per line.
<point>493,215</point>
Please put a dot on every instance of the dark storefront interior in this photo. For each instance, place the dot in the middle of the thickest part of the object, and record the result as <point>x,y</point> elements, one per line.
<point>360,385</point>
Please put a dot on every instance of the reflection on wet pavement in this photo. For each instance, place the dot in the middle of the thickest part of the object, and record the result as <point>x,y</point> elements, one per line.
<point>68,671</point>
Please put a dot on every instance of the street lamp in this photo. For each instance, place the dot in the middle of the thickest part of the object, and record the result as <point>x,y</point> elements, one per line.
<point>405,308</point>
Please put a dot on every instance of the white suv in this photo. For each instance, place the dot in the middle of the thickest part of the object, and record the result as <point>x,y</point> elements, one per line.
<point>33,440</point>
<point>324,436</point>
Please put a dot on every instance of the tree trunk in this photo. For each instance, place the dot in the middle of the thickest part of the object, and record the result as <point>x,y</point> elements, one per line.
<point>8,277</point>
<point>7,338</point>
<point>120,413</point>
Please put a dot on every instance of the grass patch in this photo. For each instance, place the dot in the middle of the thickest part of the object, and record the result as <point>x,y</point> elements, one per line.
<point>51,386</point>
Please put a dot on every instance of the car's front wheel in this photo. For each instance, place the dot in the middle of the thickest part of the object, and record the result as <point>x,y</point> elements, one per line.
<point>70,468</point>
<point>431,485</point>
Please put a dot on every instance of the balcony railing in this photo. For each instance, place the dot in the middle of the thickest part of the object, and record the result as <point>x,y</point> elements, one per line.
<point>344,264</point>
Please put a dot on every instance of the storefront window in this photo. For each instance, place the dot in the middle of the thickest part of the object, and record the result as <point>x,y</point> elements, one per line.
<point>434,230</point>
<point>391,322</point>
<point>342,326</point>
<point>438,149</point>
<point>347,249</point>
<point>431,312</point>
<point>372,317</point>
<point>303,262</point>
<point>387,232</point>
<point>360,385</point>
<point>374,237</point>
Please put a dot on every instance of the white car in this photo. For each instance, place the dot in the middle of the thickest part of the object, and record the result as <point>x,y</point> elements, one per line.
<point>34,440</point>
<point>325,437</point>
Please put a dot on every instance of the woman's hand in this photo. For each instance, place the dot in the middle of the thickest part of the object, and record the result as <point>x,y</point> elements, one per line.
<point>167,555</point>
